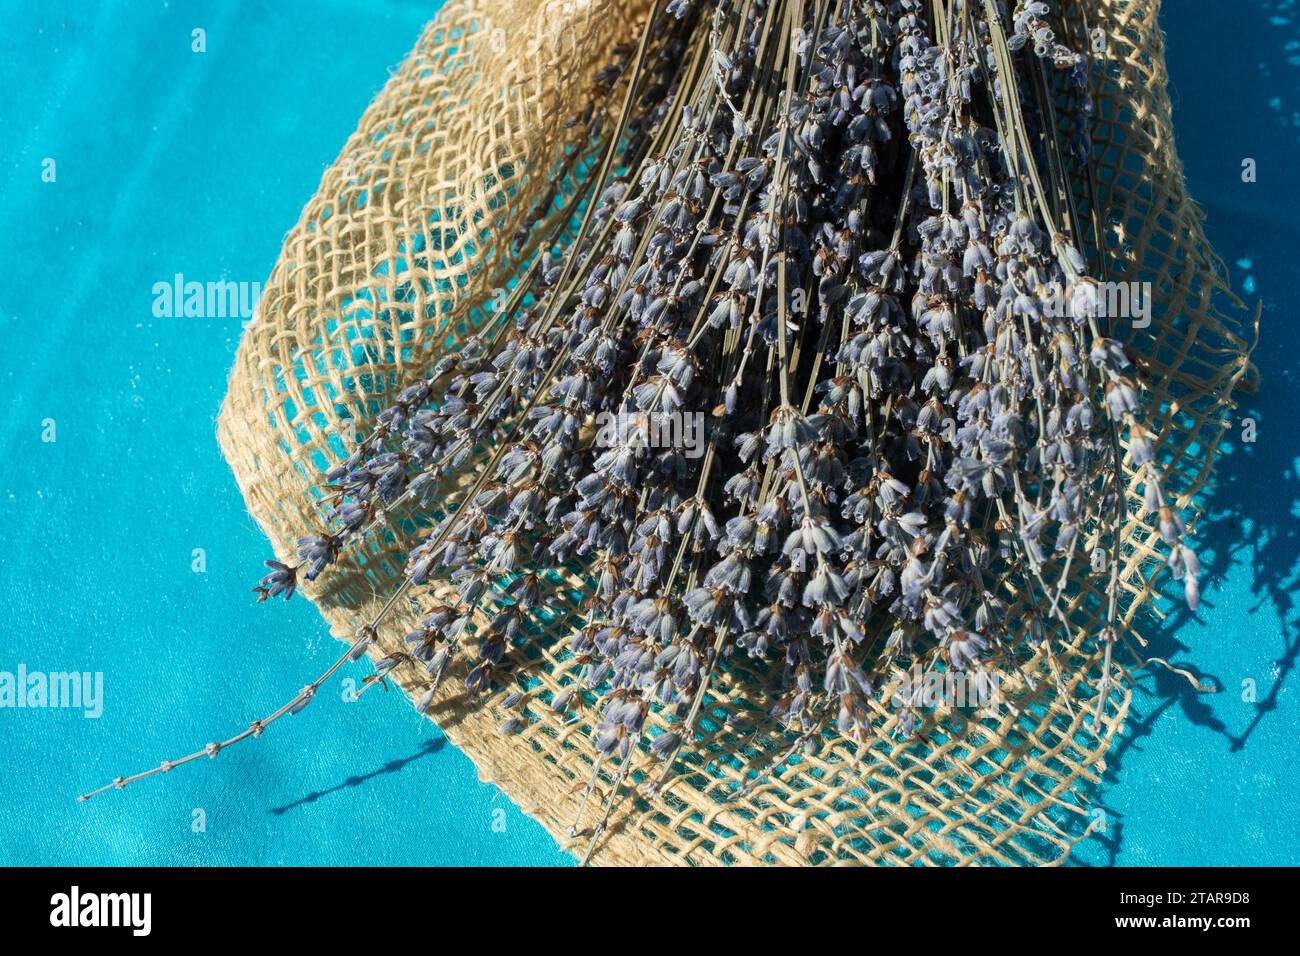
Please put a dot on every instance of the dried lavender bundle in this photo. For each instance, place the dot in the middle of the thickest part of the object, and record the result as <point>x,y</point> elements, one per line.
<point>843,235</point>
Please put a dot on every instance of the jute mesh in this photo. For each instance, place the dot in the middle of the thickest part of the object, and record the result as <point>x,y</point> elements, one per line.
<point>394,260</point>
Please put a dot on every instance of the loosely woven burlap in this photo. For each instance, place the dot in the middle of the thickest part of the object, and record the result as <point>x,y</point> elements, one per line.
<point>394,259</point>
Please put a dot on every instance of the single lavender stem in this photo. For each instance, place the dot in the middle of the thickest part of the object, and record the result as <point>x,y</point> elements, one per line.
<point>255,729</point>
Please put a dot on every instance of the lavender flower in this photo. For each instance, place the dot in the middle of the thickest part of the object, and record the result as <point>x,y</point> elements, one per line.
<point>855,280</point>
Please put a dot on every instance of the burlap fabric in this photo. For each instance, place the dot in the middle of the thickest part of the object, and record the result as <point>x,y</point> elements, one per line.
<point>394,259</point>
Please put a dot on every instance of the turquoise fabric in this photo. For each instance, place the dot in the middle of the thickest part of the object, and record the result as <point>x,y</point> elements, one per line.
<point>170,161</point>
<point>1213,779</point>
